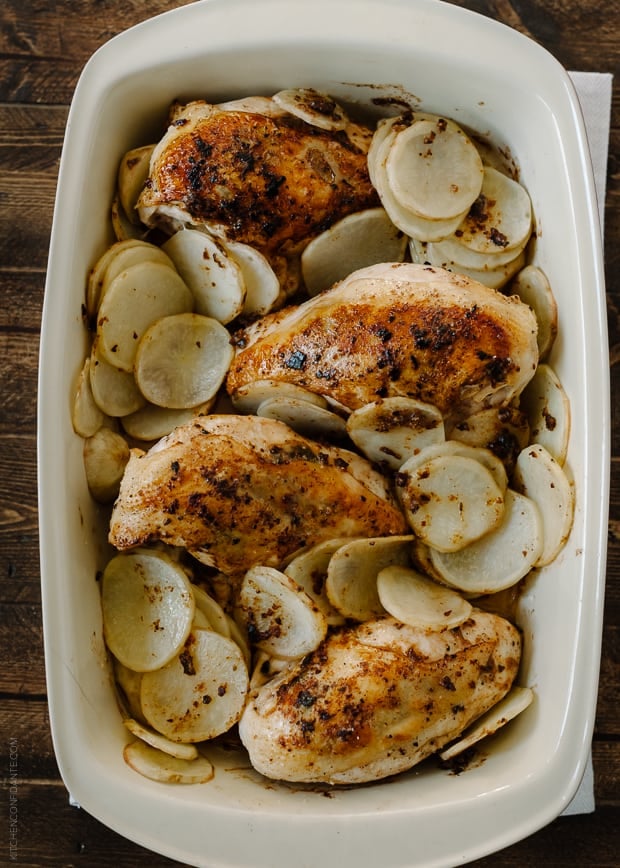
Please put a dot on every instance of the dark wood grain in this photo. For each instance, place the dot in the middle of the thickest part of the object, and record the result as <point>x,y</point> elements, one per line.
<point>43,47</point>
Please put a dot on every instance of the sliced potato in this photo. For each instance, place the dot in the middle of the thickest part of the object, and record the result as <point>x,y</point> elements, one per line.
<point>214,277</point>
<point>122,226</point>
<point>126,256</point>
<point>390,431</point>
<point>434,170</point>
<point>281,618</point>
<point>359,239</point>
<point>136,299</point>
<point>533,288</point>
<point>200,693</point>
<point>303,416</point>
<point>153,423</point>
<point>248,399</point>
<point>494,277</point>
<point>262,287</point>
<point>115,391</point>
<point>312,106</point>
<point>419,601</point>
<point>133,170</point>
<point>541,478</point>
<point>457,254</point>
<point>238,636</point>
<point>501,217</point>
<point>105,456</point>
<point>411,224</point>
<point>450,500</point>
<point>87,416</point>
<point>454,447</point>
<point>214,613</point>
<point>156,765</point>
<point>500,558</point>
<point>309,570</point>
<point>548,410</point>
<point>128,683</point>
<point>504,431</point>
<point>148,608</point>
<point>97,273</point>
<point>156,739</point>
<point>182,360</point>
<point>351,583</point>
<point>516,701</point>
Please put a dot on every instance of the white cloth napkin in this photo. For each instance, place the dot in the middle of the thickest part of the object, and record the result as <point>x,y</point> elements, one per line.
<point>594,92</point>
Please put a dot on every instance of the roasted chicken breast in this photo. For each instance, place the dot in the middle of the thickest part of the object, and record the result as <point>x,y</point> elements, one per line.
<point>251,172</point>
<point>375,699</point>
<point>396,329</point>
<point>242,490</point>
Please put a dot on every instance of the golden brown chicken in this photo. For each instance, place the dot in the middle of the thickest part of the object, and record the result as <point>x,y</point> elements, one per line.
<point>397,329</point>
<point>242,490</point>
<point>376,699</point>
<point>254,173</point>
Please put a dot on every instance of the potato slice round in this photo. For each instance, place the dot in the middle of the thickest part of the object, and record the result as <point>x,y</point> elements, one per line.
<point>181,360</point>
<point>500,558</point>
<point>351,583</point>
<point>357,240</point>
<point>122,226</point>
<point>148,608</point>
<point>406,220</point>
<point>309,570</point>
<point>516,701</point>
<point>434,170</point>
<point>548,409</point>
<point>156,739</point>
<point>280,617</point>
<point>312,106</point>
<point>133,170</point>
<point>504,431</point>
<point>450,500</point>
<point>454,447</point>
<point>97,273</point>
<point>127,256</point>
<point>128,683</point>
<point>303,416</point>
<point>390,431</point>
<point>200,693</point>
<point>262,287</point>
<point>533,288</point>
<point>451,250</point>
<point>500,218</point>
<point>156,765</point>
<point>414,599</point>
<point>87,416</point>
<point>248,398</point>
<point>105,457</point>
<point>136,299</point>
<point>214,613</point>
<point>114,391</point>
<point>153,422</point>
<point>215,279</point>
<point>493,277</point>
<point>540,477</point>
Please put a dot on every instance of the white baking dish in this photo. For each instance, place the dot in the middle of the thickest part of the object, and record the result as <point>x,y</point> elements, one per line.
<point>494,80</point>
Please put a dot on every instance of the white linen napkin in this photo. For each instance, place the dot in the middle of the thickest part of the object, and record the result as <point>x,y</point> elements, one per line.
<point>594,92</point>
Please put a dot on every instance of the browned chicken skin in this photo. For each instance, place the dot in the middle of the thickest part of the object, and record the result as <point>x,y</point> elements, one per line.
<point>242,490</point>
<point>266,179</point>
<point>375,699</point>
<point>396,329</point>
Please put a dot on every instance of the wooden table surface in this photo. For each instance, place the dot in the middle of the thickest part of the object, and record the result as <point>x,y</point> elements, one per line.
<point>43,47</point>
